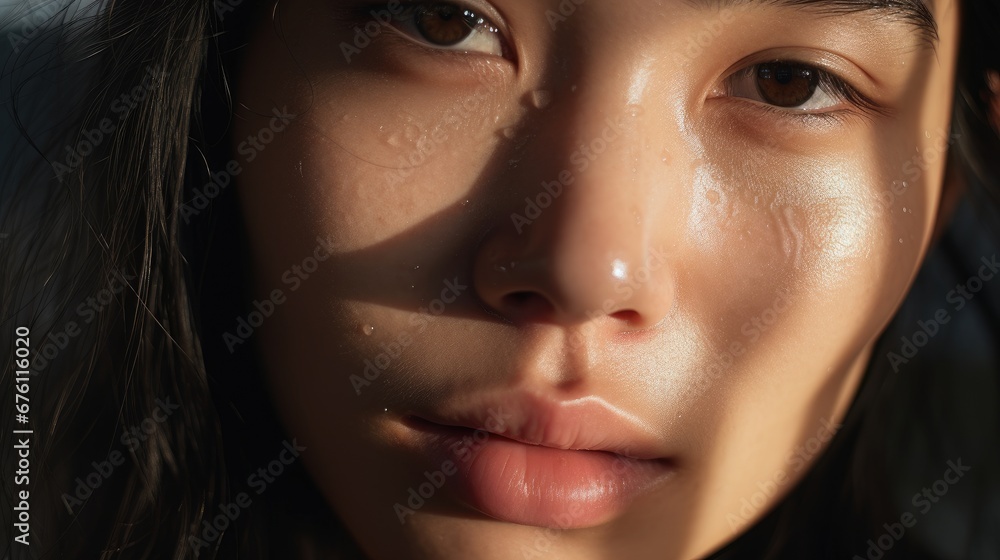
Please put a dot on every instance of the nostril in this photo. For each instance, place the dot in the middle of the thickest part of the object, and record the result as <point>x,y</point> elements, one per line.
<point>527,304</point>
<point>629,317</point>
<point>518,298</point>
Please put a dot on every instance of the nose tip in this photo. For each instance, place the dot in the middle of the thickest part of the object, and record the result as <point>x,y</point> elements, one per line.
<point>572,286</point>
<point>574,234</point>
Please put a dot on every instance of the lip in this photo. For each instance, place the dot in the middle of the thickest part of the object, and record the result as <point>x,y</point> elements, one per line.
<point>530,460</point>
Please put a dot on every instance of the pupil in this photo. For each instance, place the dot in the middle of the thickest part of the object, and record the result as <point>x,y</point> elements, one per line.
<point>786,84</point>
<point>445,24</point>
<point>783,74</point>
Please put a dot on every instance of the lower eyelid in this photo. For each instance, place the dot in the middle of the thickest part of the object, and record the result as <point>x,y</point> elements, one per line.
<point>769,115</point>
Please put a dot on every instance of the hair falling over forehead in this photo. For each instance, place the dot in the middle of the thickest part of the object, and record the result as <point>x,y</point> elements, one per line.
<point>123,252</point>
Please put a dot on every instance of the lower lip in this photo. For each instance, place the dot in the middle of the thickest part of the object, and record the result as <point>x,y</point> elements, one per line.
<point>536,485</point>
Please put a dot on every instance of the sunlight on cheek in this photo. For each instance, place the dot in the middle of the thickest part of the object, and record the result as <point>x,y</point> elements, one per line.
<point>848,235</point>
<point>783,262</point>
<point>857,237</point>
<point>710,205</point>
<point>845,229</point>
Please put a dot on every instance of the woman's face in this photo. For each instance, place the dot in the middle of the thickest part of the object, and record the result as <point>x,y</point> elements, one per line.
<point>580,279</point>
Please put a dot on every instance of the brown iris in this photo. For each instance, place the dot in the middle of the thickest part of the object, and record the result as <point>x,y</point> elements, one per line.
<point>786,84</point>
<point>445,24</point>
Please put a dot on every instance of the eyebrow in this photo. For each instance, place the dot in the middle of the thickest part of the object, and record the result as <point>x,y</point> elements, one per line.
<point>917,13</point>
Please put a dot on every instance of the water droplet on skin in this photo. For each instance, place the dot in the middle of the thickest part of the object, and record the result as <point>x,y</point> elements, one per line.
<point>465,202</point>
<point>712,196</point>
<point>416,267</point>
<point>347,118</point>
<point>509,133</point>
<point>298,168</point>
<point>541,98</point>
<point>634,110</point>
<point>393,140</point>
<point>411,132</point>
<point>367,330</point>
<point>665,156</point>
<point>904,209</point>
<point>900,239</point>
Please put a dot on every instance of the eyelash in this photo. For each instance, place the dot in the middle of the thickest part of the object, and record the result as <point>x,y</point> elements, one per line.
<point>405,10</point>
<point>828,82</point>
<point>835,86</point>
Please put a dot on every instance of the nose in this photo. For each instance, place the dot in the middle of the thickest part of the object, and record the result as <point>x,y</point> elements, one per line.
<point>584,239</point>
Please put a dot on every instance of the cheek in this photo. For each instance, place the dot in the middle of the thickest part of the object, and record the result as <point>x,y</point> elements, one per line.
<point>374,178</point>
<point>787,261</point>
<point>812,227</point>
<point>368,157</point>
<point>364,169</point>
<point>796,263</point>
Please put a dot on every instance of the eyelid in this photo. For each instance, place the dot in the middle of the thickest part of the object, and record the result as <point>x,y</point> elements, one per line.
<point>483,9</point>
<point>831,74</point>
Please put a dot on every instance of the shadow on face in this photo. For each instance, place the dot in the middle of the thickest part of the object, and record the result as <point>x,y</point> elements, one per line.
<point>678,227</point>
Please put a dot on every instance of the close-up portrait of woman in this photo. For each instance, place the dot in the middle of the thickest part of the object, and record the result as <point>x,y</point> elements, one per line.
<point>500,279</point>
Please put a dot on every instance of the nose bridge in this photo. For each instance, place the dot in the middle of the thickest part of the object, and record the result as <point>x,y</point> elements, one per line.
<point>584,234</point>
<point>599,214</point>
<point>608,138</point>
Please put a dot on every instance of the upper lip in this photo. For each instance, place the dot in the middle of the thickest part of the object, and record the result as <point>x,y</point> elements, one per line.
<point>586,423</point>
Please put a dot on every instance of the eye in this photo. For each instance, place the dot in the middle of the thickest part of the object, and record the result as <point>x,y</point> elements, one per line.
<point>791,85</point>
<point>450,26</point>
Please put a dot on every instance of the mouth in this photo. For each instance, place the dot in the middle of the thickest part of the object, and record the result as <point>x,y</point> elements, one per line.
<point>542,464</point>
